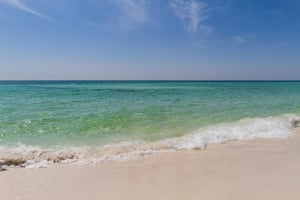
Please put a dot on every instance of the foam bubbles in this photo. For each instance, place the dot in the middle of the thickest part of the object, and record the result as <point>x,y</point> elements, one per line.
<point>246,129</point>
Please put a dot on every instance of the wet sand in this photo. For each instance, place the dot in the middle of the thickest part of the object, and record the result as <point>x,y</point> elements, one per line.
<point>258,169</point>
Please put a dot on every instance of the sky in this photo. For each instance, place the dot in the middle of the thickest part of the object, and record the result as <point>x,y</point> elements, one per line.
<point>149,39</point>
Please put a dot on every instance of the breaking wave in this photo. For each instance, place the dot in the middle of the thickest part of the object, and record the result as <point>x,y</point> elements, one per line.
<point>245,129</point>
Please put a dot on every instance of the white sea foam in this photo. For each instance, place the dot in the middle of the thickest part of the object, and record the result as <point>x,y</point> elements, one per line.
<point>245,129</point>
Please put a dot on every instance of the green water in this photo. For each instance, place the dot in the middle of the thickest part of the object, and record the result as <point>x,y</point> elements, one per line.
<point>95,113</point>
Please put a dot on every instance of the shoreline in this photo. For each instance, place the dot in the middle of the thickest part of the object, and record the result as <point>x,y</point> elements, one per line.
<point>27,156</point>
<point>255,169</point>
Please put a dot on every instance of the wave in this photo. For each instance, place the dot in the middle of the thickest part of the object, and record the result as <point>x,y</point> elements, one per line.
<point>244,129</point>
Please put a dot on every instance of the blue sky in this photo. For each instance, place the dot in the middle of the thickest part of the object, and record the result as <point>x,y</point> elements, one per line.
<point>149,39</point>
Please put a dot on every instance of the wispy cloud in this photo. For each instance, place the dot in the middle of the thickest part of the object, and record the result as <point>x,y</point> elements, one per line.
<point>133,10</point>
<point>244,38</point>
<point>239,39</point>
<point>130,15</point>
<point>21,6</point>
<point>193,13</point>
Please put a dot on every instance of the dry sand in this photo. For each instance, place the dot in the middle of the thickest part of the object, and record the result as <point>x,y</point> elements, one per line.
<point>258,169</point>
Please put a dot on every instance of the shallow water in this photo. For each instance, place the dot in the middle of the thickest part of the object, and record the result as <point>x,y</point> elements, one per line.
<point>60,115</point>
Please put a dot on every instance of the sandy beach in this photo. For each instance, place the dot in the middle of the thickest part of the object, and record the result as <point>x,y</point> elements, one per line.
<point>257,169</point>
<point>149,100</point>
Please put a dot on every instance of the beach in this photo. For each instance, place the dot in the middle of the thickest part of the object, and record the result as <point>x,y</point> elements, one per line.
<point>149,100</point>
<point>257,169</point>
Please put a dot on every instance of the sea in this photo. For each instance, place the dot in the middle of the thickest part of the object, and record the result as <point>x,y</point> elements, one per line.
<point>44,123</point>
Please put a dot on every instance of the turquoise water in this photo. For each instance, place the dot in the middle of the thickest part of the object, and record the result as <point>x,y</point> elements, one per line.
<point>96,113</point>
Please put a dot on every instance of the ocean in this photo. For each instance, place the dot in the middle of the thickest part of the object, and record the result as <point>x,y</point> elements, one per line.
<point>87,122</point>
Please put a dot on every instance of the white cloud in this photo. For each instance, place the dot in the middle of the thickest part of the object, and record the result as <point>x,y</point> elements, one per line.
<point>19,5</point>
<point>206,29</point>
<point>239,39</point>
<point>131,14</point>
<point>192,13</point>
<point>134,10</point>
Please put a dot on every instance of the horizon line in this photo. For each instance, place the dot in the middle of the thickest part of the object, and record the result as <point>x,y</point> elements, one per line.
<point>240,80</point>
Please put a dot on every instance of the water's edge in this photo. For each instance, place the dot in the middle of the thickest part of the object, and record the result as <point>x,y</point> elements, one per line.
<point>33,157</point>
